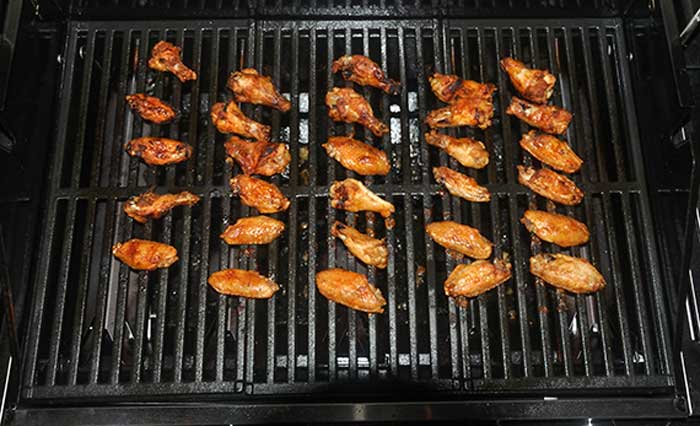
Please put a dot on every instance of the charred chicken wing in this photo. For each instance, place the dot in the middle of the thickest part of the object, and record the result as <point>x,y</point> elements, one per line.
<point>550,185</point>
<point>253,230</point>
<point>532,84</point>
<point>350,289</point>
<point>159,151</point>
<point>555,228</point>
<point>460,238</point>
<point>357,156</point>
<point>467,151</point>
<point>472,112</point>
<point>228,118</point>
<point>477,277</point>
<point>569,273</point>
<point>552,151</point>
<point>347,105</point>
<point>144,255</point>
<point>548,118</point>
<point>150,205</point>
<point>461,185</point>
<point>258,158</point>
<point>363,71</point>
<point>166,57</point>
<point>250,87</point>
<point>150,108</point>
<point>448,88</point>
<point>369,250</point>
<point>257,193</point>
<point>239,282</point>
<point>353,196</point>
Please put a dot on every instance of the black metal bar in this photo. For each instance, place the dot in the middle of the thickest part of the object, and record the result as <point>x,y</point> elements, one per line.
<point>8,40</point>
<point>313,117</point>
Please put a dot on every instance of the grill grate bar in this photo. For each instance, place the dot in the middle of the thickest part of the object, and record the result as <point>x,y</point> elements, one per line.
<point>313,118</point>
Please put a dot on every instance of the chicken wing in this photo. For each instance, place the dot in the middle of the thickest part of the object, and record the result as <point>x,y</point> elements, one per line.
<point>253,230</point>
<point>257,193</point>
<point>461,185</point>
<point>569,273</point>
<point>476,278</point>
<point>353,196</point>
<point>258,158</point>
<point>242,283</point>
<point>533,84</point>
<point>555,228</point>
<point>448,88</point>
<point>460,238</point>
<point>369,250</point>
<point>472,112</point>
<point>228,118</point>
<point>150,205</point>
<point>159,151</point>
<point>144,255</point>
<point>548,118</point>
<point>166,57</point>
<point>552,151</point>
<point>550,185</point>
<point>250,87</point>
<point>347,105</point>
<point>357,156</point>
<point>150,108</point>
<point>350,289</point>
<point>364,71</point>
<point>467,151</point>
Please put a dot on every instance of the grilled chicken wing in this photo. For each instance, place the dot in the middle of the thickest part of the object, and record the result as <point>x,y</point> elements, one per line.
<point>228,118</point>
<point>472,112</point>
<point>357,156</point>
<point>467,151</point>
<point>258,158</point>
<point>150,205</point>
<point>460,238</point>
<point>353,196</point>
<point>550,185</point>
<point>569,273</point>
<point>477,277</point>
<point>166,57</point>
<point>363,71</point>
<point>448,88</point>
<point>347,105</point>
<point>253,230</point>
<point>239,282</point>
<point>150,108</point>
<point>552,151</point>
<point>159,151</point>
<point>533,84</point>
<point>250,87</point>
<point>257,193</point>
<point>144,255</point>
<point>461,185</point>
<point>350,289</point>
<point>369,250</point>
<point>548,118</point>
<point>555,228</point>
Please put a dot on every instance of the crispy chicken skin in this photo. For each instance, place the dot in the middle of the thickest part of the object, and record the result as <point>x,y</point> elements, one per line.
<point>150,205</point>
<point>533,84</point>
<point>477,277</point>
<point>159,151</point>
<point>353,196</point>
<point>347,105</point>
<point>448,88</point>
<point>548,118</point>
<point>460,185</point>
<point>552,151</point>
<point>555,228</point>
<point>460,238</point>
<point>350,289</point>
<point>550,185</point>
<point>467,151</point>
<point>144,255</point>
<point>253,230</point>
<point>472,112</point>
<point>357,156</point>
<point>239,282</point>
<point>250,87</point>
<point>257,193</point>
<point>369,250</point>
<point>150,108</point>
<point>258,158</point>
<point>228,118</point>
<point>365,72</point>
<point>569,273</point>
<point>166,57</point>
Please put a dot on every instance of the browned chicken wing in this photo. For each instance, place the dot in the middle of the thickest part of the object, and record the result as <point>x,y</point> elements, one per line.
<point>347,105</point>
<point>369,250</point>
<point>357,156</point>
<point>250,87</point>
<point>144,255</point>
<point>472,112</point>
<point>350,289</point>
<point>150,205</point>
<point>159,151</point>
<point>461,185</point>
<point>150,108</point>
<point>552,151</point>
<point>258,158</point>
<point>477,277</point>
<point>548,118</point>
<point>460,238</point>
<point>533,84</point>
<point>550,185</point>
<point>257,193</point>
<point>353,196</point>
<point>229,118</point>
<point>253,230</point>
<point>363,71</point>
<point>166,57</point>
<point>555,228</point>
<point>569,273</point>
<point>467,151</point>
<point>239,282</point>
<point>448,88</point>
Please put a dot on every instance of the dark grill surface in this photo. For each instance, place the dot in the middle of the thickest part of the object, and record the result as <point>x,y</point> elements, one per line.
<point>98,329</point>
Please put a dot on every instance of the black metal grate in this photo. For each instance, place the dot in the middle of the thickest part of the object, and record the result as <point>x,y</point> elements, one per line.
<point>99,330</point>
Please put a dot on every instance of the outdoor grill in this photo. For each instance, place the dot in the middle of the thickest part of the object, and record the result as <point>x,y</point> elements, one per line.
<point>99,343</point>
